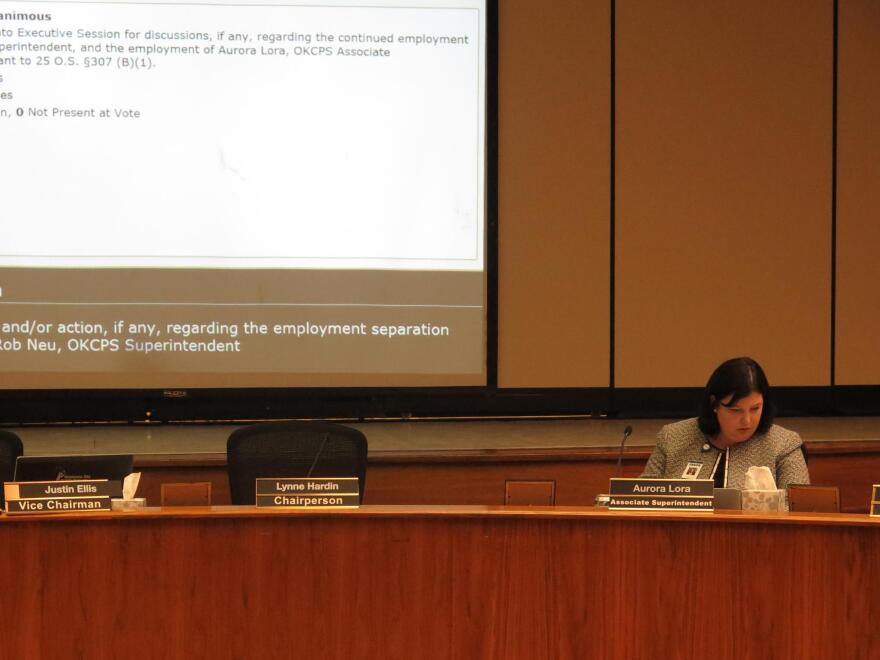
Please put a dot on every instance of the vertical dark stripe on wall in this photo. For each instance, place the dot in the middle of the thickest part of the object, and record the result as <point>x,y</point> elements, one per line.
<point>834,199</point>
<point>492,31</point>
<point>611,210</point>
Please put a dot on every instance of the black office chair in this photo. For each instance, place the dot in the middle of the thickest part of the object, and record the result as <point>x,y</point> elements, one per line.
<point>293,449</point>
<point>10,449</point>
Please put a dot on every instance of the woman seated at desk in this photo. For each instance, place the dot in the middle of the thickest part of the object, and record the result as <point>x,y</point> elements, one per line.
<point>734,431</point>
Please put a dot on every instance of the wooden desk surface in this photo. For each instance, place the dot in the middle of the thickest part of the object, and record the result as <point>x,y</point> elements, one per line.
<point>439,582</point>
<point>456,512</point>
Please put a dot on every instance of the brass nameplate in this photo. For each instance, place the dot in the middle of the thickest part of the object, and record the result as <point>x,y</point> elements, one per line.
<point>662,494</point>
<point>73,496</point>
<point>58,505</point>
<point>308,492</point>
<point>72,488</point>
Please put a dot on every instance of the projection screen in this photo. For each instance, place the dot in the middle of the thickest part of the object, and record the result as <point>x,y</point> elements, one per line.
<point>233,194</point>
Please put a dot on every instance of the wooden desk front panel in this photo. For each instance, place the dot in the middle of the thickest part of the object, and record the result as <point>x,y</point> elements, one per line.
<point>462,478</point>
<point>458,585</point>
<point>415,478</point>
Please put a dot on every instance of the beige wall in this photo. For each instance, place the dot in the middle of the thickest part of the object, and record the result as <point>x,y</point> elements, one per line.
<point>723,185</point>
<point>858,194</point>
<point>554,146</point>
<point>724,115</point>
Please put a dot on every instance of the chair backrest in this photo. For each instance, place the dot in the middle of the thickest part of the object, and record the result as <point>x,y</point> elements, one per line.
<point>10,449</point>
<point>293,449</point>
<point>814,498</point>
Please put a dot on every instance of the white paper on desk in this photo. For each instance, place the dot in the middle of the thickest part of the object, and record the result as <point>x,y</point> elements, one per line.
<point>130,485</point>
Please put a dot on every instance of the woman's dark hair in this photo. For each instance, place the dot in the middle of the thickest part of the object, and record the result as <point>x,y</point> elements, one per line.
<point>738,377</point>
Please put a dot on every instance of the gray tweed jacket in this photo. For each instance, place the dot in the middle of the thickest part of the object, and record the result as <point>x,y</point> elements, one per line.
<point>682,443</point>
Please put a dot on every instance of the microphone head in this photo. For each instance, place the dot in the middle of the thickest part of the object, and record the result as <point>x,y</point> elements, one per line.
<point>628,430</point>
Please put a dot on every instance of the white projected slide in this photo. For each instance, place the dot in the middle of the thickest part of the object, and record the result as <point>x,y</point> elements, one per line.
<point>236,135</point>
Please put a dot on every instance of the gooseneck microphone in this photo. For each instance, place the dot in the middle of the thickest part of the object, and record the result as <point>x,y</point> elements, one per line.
<point>318,455</point>
<point>626,433</point>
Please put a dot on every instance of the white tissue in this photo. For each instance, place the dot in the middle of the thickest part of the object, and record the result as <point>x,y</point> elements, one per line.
<point>759,477</point>
<point>130,485</point>
<point>760,493</point>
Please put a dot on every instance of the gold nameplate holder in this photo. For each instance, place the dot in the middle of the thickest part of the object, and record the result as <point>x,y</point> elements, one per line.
<point>65,496</point>
<point>308,493</point>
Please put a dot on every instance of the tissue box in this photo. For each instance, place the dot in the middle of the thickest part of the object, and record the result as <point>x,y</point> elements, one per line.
<point>134,504</point>
<point>764,500</point>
